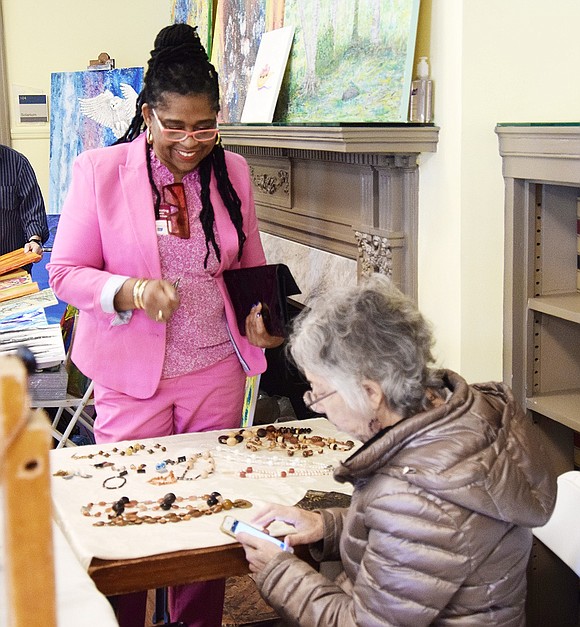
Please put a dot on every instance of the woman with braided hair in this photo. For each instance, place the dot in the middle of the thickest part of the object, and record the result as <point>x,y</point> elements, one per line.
<point>147,229</point>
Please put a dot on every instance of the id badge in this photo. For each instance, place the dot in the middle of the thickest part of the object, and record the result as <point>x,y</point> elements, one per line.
<point>161,227</point>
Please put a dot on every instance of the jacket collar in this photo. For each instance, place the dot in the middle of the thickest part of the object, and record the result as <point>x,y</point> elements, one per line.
<point>477,450</point>
<point>139,203</point>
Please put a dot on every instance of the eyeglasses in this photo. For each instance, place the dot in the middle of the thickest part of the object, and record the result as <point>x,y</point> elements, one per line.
<point>174,210</point>
<point>179,135</point>
<point>310,400</point>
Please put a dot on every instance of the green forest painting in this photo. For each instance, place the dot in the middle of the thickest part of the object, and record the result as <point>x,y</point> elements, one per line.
<point>350,61</point>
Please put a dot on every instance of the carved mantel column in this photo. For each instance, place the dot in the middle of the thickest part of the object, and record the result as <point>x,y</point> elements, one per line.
<point>351,191</point>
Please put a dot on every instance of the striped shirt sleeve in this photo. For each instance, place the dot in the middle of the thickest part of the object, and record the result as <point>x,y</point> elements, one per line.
<point>22,208</point>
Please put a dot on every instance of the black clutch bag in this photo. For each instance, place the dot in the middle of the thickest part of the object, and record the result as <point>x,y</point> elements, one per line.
<point>270,285</point>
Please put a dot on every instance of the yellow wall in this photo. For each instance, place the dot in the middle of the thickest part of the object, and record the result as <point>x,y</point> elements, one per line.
<point>491,61</point>
<point>62,36</point>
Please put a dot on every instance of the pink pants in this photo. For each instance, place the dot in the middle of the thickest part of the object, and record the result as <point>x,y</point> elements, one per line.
<point>202,401</point>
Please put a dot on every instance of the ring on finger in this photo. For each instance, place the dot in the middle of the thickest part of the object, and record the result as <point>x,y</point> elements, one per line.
<point>159,317</point>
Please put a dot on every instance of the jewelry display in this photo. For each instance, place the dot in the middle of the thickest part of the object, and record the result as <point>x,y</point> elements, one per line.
<point>161,466</point>
<point>126,511</point>
<point>205,472</point>
<point>133,449</point>
<point>69,474</point>
<point>292,440</point>
<point>163,479</point>
<point>251,473</point>
<point>116,481</point>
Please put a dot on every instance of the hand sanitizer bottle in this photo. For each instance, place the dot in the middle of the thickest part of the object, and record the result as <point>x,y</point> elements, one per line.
<point>420,102</point>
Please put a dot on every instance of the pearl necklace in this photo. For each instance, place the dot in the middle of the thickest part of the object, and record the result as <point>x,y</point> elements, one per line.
<point>251,473</point>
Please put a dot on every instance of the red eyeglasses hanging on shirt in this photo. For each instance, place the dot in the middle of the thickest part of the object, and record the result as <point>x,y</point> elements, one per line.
<point>173,209</point>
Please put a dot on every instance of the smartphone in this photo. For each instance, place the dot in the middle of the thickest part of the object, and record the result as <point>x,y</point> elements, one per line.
<point>233,526</point>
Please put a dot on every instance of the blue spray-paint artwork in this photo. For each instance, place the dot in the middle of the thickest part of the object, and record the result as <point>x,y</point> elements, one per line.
<point>89,109</point>
<point>195,13</point>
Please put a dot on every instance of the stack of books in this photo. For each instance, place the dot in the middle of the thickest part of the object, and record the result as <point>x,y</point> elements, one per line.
<point>15,284</point>
<point>23,323</point>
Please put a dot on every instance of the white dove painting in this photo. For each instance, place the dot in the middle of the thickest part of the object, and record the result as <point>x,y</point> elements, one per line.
<point>88,110</point>
<point>112,111</point>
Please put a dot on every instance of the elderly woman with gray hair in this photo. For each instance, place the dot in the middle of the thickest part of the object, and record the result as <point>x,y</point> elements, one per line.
<point>447,485</point>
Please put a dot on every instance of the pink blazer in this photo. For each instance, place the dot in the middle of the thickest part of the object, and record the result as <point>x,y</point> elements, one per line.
<point>107,227</point>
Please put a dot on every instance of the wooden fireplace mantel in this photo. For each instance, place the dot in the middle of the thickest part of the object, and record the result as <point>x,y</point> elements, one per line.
<point>351,190</point>
<point>381,139</point>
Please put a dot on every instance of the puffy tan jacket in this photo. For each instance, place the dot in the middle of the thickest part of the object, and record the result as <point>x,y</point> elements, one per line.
<point>439,528</point>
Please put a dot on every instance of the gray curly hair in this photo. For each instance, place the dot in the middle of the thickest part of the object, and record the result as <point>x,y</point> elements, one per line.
<point>369,331</point>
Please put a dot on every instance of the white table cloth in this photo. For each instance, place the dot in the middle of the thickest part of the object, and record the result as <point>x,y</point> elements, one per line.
<point>78,602</point>
<point>89,541</point>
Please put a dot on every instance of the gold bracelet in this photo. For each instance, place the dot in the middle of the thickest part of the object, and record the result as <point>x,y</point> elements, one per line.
<point>136,287</point>
<point>138,290</point>
<point>141,292</point>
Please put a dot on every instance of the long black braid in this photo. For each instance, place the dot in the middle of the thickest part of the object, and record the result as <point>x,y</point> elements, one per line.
<point>179,64</point>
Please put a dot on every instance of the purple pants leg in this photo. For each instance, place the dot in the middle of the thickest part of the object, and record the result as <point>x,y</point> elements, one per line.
<point>198,605</point>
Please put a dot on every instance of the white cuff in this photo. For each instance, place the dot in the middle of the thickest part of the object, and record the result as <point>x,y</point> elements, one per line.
<point>108,293</point>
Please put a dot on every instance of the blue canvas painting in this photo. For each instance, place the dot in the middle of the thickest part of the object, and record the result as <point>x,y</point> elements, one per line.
<point>89,109</point>
<point>195,13</point>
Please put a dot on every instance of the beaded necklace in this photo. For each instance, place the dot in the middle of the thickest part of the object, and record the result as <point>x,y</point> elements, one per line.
<point>258,473</point>
<point>133,449</point>
<point>292,440</point>
<point>126,511</point>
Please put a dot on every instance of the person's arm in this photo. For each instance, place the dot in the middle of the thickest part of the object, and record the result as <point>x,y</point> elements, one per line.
<point>411,567</point>
<point>31,209</point>
<point>31,206</point>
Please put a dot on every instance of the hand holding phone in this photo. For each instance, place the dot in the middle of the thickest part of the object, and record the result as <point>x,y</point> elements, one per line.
<point>232,526</point>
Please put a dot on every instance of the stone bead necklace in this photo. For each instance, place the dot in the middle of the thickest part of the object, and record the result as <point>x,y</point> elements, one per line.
<point>292,440</point>
<point>132,449</point>
<point>126,511</point>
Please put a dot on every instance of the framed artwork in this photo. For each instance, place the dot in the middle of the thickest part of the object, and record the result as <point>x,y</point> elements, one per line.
<point>195,13</point>
<point>350,61</point>
<point>234,51</point>
<point>266,80</point>
<point>89,109</point>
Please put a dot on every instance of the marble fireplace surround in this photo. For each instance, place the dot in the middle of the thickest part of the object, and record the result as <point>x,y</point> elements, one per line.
<point>339,201</point>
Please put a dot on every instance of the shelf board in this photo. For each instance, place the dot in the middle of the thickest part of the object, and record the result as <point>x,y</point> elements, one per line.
<point>379,139</point>
<point>564,306</point>
<point>562,406</point>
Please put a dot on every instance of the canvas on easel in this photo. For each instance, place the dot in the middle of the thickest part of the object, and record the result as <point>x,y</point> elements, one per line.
<point>267,75</point>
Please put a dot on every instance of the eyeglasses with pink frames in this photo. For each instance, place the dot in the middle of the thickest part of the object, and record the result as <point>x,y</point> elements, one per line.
<point>179,135</point>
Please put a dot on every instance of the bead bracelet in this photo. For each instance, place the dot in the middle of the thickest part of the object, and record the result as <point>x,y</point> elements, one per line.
<point>116,481</point>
